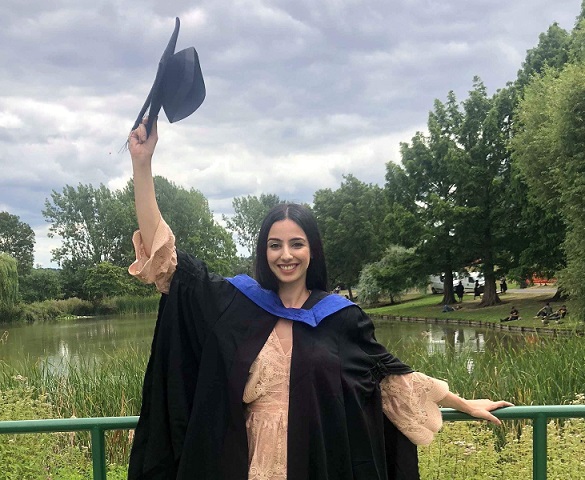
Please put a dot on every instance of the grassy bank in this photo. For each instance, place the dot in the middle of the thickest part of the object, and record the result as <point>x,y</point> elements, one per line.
<point>527,302</point>
<point>58,310</point>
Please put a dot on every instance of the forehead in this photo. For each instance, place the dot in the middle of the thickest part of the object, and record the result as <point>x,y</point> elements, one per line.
<point>286,229</point>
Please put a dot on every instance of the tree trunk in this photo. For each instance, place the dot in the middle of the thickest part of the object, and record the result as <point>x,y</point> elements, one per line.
<point>448,293</point>
<point>560,296</point>
<point>350,293</point>
<point>490,293</point>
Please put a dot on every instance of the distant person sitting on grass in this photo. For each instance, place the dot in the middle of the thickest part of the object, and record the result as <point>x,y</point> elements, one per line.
<point>514,315</point>
<point>560,313</point>
<point>545,311</point>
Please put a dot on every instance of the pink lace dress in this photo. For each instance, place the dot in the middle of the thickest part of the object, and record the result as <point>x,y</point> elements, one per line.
<point>409,401</point>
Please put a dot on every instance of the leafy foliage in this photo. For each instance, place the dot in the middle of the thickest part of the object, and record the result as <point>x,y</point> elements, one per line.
<point>17,239</point>
<point>350,222</point>
<point>106,280</point>
<point>94,225</point>
<point>247,219</point>
<point>8,281</point>
<point>397,272</point>
<point>40,284</point>
<point>549,148</point>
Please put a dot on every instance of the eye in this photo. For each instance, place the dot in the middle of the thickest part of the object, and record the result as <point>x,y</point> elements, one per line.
<point>273,245</point>
<point>298,245</point>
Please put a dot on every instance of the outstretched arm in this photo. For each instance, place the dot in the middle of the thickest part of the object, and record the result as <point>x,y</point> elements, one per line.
<point>481,408</point>
<point>147,211</point>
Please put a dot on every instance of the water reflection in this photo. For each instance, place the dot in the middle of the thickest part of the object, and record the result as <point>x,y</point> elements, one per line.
<point>61,344</point>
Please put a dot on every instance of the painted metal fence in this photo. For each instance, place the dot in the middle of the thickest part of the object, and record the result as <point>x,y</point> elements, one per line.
<point>539,414</point>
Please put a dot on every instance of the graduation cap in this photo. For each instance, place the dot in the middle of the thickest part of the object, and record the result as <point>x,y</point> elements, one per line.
<point>178,86</point>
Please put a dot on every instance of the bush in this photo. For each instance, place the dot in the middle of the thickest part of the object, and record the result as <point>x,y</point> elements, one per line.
<point>34,456</point>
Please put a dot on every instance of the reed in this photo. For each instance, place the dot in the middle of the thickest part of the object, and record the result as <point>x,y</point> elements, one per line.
<point>543,370</point>
<point>132,305</point>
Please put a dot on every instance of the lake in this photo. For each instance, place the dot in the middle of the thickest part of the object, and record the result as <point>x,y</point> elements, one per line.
<point>89,338</point>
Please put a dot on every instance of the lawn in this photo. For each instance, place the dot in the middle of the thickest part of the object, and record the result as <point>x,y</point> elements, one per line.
<point>528,302</point>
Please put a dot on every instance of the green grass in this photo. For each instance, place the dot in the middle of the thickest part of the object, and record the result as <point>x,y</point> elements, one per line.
<point>429,306</point>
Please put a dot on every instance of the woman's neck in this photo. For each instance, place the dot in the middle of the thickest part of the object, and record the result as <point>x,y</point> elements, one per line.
<point>293,296</point>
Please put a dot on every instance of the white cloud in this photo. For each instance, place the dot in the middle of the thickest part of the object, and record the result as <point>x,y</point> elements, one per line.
<point>299,93</point>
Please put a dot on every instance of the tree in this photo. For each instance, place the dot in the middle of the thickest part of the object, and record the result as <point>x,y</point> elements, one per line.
<point>106,280</point>
<point>434,169</point>
<point>8,282</point>
<point>485,135</point>
<point>549,148</point>
<point>41,284</point>
<point>552,51</point>
<point>351,223</point>
<point>397,272</point>
<point>17,239</point>
<point>249,213</point>
<point>93,224</point>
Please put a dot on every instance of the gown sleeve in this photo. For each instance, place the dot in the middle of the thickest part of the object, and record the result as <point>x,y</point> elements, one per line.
<point>411,403</point>
<point>162,263</point>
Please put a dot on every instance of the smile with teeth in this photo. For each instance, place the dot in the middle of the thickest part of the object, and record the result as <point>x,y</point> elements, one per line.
<point>287,267</point>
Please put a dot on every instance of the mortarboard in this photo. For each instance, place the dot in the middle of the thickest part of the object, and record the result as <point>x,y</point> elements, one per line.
<point>178,86</point>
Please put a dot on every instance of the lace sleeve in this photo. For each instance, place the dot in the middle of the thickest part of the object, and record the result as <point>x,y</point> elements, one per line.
<point>411,403</point>
<point>162,263</point>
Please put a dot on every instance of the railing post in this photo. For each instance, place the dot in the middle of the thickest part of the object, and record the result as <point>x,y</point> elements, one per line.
<point>98,453</point>
<point>539,447</point>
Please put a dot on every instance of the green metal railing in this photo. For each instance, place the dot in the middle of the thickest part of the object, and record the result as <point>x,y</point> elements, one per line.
<point>539,414</point>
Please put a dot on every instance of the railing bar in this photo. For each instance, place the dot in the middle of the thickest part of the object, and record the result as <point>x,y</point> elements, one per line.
<point>97,427</point>
<point>98,453</point>
<point>539,450</point>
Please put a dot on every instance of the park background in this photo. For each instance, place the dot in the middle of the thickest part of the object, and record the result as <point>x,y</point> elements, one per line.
<point>493,183</point>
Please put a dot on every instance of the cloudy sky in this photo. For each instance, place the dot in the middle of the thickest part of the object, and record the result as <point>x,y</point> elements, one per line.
<point>299,92</point>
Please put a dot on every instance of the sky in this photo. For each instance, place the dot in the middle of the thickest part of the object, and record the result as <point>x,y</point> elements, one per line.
<point>299,92</point>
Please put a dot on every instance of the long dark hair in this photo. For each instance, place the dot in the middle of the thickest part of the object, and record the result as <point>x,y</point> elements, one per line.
<point>303,217</point>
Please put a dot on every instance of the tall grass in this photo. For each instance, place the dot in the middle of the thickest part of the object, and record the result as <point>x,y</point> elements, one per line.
<point>544,370</point>
<point>109,386</point>
<point>131,305</point>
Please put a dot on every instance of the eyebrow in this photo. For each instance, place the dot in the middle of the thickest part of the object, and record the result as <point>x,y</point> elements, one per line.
<point>274,239</point>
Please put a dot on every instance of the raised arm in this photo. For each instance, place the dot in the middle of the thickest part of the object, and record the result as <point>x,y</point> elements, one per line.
<point>147,212</point>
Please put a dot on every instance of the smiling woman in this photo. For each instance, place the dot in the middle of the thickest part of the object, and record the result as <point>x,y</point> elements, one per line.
<point>258,378</point>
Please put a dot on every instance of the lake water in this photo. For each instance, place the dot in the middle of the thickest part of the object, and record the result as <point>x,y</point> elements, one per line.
<point>89,338</point>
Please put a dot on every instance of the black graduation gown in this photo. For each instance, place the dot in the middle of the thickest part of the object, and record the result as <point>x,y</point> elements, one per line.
<point>192,423</point>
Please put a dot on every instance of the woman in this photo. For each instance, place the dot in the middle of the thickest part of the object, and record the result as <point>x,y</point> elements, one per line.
<point>270,380</point>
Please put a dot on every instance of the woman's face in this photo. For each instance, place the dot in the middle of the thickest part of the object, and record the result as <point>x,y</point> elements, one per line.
<point>288,253</point>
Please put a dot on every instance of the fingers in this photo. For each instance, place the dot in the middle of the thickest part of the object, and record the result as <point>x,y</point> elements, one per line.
<point>138,135</point>
<point>495,406</point>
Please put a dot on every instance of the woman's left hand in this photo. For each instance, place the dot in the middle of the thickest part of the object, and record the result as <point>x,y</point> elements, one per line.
<point>482,408</point>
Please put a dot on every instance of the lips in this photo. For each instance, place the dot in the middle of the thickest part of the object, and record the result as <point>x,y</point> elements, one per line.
<point>287,268</point>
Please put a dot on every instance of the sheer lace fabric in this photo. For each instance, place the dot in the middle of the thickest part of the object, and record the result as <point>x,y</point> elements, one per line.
<point>162,263</point>
<point>266,399</point>
<point>411,403</point>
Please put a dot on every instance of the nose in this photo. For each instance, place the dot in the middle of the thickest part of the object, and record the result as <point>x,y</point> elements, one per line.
<point>286,254</point>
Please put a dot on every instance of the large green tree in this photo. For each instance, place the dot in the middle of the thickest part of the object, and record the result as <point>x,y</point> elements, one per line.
<point>41,284</point>
<point>17,239</point>
<point>351,223</point>
<point>485,135</point>
<point>549,148</point>
<point>429,183</point>
<point>92,224</point>
<point>552,51</point>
